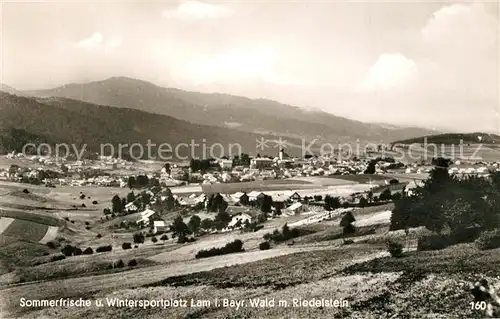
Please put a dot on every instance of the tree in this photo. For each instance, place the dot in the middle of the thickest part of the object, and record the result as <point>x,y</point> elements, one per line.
<point>131,182</point>
<point>164,237</point>
<point>222,220</point>
<point>347,223</point>
<point>124,202</point>
<point>286,232</point>
<point>68,250</point>
<point>194,223</point>
<point>116,203</point>
<point>154,239</point>
<point>386,195</point>
<point>206,224</point>
<point>370,196</point>
<point>370,169</point>
<point>266,203</point>
<point>138,238</point>
<point>142,181</point>
<point>145,198</point>
<point>244,159</point>
<point>179,228</point>
<point>216,203</point>
<point>130,197</point>
<point>363,202</point>
<point>167,168</point>
<point>331,203</point>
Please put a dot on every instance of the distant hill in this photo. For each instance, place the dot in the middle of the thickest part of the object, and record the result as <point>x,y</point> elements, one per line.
<point>454,138</point>
<point>60,120</point>
<point>223,110</point>
<point>8,89</point>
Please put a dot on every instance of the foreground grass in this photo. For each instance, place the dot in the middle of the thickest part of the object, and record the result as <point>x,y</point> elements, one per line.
<point>424,284</point>
<point>276,273</point>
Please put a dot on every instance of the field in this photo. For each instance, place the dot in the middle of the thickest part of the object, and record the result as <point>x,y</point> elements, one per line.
<point>371,283</point>
<point>362,276</point>
<point>272,185</point>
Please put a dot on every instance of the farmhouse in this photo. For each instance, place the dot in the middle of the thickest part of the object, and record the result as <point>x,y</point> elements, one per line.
<point>131,207</point>
<point>253,195</point>
<point>159,226</point>
<point>239,220</point>
<point>226,164</point>
<point>145,216</point>
<point>295,209</point>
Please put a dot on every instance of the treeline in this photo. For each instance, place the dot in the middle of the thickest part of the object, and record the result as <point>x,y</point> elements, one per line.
<point>452,206</point>
<point>454,138</point>
<point>142,181</point>
<point>230,248</point>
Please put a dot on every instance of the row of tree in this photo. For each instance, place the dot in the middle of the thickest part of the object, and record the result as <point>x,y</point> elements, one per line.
<point>448,203</point>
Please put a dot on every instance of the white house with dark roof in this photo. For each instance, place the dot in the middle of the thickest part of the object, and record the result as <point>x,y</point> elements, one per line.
<point>159,226</point>
<point>145,216</point>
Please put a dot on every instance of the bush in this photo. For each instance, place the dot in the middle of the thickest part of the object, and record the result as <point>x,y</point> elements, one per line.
<point>489,240</point>
<point>136,246</point>
<point>264,245</point>
<point>88,251</point>
<point>232,247</point>
<point>395,248</point>
<point>164,237</point>
<point>99,235</point>
<point>120,264</point>
<point>467,235</point>
<point>87,223</point>
<point>94,202</point>
<point>68,250</point>
<point>433,242</point>
<point>51,245</point>
<point>154,240</point>
<point>285,235</point>
<point>58,257</point>
<point>132,263</point>
<point>138,238</point>
<point>77,251</point>
<point>126,246</point>
<point>103,249</point>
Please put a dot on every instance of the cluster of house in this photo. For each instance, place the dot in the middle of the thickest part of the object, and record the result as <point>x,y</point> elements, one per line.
<point>279,167</point>
<point>289,202</point>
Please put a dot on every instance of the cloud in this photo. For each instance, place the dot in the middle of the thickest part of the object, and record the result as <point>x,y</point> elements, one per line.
<point>97,42</point>
<point>462,39</point>
<point>468,26</point>
<point>391,70</point>
<point>90,42</point>
<point>196,10</point>
<point>237,65</point>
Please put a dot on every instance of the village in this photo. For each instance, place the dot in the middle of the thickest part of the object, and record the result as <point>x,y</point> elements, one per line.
<point>106,171</point>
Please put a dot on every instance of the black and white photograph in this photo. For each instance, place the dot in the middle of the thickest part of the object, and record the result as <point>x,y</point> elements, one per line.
<point>249,159</point>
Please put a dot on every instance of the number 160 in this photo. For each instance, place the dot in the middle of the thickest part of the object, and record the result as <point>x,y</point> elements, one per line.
<point>480,305</point>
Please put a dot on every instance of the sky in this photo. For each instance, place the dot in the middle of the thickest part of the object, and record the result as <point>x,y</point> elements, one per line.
<point>429,64</point>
